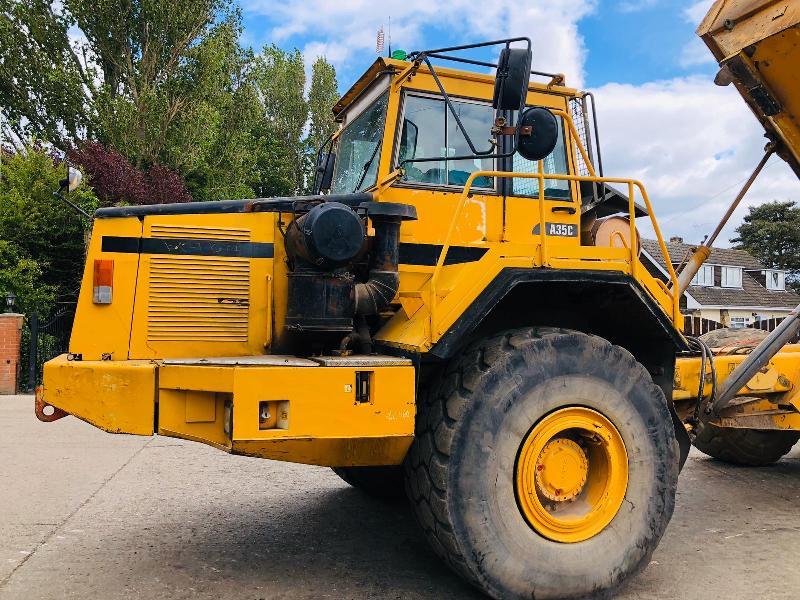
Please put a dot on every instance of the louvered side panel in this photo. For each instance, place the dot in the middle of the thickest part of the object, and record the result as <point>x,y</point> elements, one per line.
<point>198,299</point>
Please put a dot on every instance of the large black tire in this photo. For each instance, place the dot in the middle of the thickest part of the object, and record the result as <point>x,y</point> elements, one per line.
<point>748,447</point>
<point>459,472</point>
<point>378,482</point>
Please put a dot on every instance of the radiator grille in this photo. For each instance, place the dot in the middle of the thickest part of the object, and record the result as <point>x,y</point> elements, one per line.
<point>198,299</point>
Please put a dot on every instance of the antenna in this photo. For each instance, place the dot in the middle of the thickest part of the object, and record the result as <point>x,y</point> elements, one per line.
<point>379,41</point>
<point>390,36</point>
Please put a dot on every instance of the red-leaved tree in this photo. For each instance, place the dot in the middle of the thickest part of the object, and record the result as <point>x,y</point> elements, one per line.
<point>115,180</point>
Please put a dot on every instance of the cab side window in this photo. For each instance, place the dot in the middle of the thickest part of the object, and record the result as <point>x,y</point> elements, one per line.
<point>430,131</point>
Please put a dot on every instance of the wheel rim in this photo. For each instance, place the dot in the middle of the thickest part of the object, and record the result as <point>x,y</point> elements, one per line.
<point>571,474</point>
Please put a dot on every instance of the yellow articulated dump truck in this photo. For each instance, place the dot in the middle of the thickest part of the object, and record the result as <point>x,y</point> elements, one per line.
<point>458,313</point>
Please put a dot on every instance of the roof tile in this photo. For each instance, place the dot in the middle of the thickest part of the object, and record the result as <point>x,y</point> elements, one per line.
<point>752,293</point>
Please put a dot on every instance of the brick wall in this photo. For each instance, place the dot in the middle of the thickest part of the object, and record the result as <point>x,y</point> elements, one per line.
<point>10,332</point>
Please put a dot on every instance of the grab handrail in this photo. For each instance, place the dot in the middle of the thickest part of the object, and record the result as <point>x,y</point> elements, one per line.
<point>541,176</point>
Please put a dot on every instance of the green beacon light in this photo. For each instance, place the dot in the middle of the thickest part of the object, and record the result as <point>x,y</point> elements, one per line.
<point>399,54</point>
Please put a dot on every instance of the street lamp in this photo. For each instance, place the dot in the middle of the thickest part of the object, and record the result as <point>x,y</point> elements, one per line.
<point>11,298</point>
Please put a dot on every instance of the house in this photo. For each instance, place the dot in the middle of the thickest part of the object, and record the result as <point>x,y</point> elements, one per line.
<point>732,287</point>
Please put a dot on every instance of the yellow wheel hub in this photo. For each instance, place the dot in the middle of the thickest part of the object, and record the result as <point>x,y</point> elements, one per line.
<point>561,470</point>
<point>571,474</point>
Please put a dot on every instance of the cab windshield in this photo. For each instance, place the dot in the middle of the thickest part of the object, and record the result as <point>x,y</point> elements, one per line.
<point>359,150</point>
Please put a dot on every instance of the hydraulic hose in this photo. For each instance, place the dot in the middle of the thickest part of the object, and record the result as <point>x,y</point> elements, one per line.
<point>702,408</point>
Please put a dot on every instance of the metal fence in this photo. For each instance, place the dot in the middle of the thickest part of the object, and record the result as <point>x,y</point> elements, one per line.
<point>44,338</point>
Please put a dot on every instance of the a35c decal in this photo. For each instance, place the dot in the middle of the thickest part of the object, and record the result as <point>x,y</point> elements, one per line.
<point>558,229</point>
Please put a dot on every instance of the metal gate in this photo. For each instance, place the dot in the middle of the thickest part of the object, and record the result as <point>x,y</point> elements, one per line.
<point>46,339</point>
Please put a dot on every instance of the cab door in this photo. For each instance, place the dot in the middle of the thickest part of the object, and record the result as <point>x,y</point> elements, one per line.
<point>523,223</point>
<point>431,150</point>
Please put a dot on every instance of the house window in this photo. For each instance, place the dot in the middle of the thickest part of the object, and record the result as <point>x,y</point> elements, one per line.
<point>705,276</point>
<point>731,277</point>
<point>776,280</point>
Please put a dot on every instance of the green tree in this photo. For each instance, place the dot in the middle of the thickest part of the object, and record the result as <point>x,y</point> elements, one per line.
<point>22,276</point>
<point>280,79</point>
<point>322,95</point>
<point>47,85</point>
<point>160,82</point>
<point>164,84</point>
<point>43,239</point>
<point>771,233</point>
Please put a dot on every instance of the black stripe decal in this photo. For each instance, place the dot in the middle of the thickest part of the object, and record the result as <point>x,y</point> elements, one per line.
<point>187,246</point>
<point>427,254</point>
<point>410,254</point>
<point>129,245</point>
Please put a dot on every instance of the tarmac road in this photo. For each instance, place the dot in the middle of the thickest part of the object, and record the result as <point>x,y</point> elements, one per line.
<point>84,514</point>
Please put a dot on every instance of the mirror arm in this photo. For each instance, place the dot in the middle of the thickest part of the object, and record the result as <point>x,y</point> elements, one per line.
<point>505,41</point>
<point>511,152</point>
<point>59,194</point>
<point>423,57</point>
<point>452,109</point>
<point>328,142</point>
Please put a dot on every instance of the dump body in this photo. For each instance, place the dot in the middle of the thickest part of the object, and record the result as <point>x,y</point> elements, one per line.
<point>757,45</point>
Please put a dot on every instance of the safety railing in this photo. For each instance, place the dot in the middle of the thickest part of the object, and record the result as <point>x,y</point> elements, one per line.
<point>672,292</point>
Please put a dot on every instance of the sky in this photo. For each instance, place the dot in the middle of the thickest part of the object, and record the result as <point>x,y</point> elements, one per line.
<point>661,118</point>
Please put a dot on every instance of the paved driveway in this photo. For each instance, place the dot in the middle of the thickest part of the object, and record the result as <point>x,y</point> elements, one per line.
<point>84,514</point>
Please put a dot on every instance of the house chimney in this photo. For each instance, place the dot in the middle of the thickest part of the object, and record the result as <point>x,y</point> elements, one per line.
<point>676,239</point>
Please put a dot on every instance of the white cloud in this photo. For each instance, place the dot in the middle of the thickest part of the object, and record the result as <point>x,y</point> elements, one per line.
<point>695,12</point>
<point>695,53</point>
<point>692,144</point>
<point>630,6</point>
<point>553,27</point>
<point>347,28</point>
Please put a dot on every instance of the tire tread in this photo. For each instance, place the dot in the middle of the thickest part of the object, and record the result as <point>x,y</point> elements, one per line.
<point>444,404</point>
<point>747,447</point>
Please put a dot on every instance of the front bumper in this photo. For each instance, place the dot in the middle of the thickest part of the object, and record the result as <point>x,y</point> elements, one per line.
<point>283,408</point>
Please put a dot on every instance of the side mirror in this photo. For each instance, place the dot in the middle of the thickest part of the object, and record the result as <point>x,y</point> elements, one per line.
<point>512,79</point>
<point>538,133</point>
<point>408,140</point>
<point>323,177</point>
<point>72,180</point>
<point>70,184</point>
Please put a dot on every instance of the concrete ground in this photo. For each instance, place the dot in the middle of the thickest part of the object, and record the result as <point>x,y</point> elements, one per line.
<point>84,514</point>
